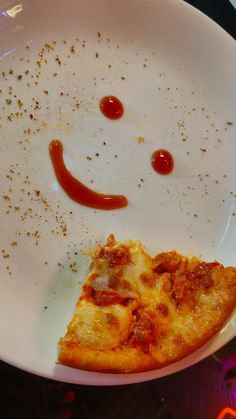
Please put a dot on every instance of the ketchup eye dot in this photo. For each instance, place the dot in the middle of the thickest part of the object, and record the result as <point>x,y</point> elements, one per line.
<point>162,162</point>
<point>111,107</point>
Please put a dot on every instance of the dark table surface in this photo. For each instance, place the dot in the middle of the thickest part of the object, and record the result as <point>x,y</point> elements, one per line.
<point>200,392</point>
<point>221,11</point>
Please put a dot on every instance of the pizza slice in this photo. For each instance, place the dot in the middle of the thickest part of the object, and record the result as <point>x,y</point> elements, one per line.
<point>138,313</point>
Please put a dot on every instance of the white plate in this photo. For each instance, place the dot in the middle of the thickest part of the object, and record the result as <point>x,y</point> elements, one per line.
<point>174,70</point>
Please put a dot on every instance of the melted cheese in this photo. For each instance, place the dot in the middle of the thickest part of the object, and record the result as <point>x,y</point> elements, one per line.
<point>140,264</point>
<point>100,328</point>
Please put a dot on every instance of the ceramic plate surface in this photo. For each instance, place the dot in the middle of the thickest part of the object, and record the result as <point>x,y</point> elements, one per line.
<point>174,71</point>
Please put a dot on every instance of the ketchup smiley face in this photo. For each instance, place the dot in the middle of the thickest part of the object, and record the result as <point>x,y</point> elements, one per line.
<point>111,107</point>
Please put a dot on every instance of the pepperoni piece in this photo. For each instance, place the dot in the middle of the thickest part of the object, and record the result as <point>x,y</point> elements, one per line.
<point>148,280</point>
<point>185,284</point>
<point>166,262</point>
<point>162,309</point>
<point>102,298</point>
<point>143,332</point>
<point>115,257</point>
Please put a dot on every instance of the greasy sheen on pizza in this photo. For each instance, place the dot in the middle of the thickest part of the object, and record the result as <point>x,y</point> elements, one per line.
<point>138,313</point>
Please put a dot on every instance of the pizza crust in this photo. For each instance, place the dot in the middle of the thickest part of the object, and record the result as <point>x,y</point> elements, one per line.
<point>113,361</point>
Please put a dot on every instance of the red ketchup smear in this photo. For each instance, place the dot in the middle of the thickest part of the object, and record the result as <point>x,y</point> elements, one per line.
<point>111,107</point>
<point>76,190</point>
<point>162,162</point>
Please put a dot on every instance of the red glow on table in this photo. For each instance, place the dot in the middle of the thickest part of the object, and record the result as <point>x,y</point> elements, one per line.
<point>111,107</point>
<point>227,411</point>
<point>162,162</point>
<point>76,190</point>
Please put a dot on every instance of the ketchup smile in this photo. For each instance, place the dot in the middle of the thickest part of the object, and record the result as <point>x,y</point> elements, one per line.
<point>76,190</point>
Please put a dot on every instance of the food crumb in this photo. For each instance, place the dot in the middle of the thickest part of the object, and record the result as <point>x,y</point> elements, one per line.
<point>19,103</point>
<point>73,267</point>
<point>140,139</point>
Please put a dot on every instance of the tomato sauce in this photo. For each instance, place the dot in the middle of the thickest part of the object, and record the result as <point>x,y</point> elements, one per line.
<point>111,107</point>
<point>77,190</point>
<point>103,298</point>
<point>162,162</point>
